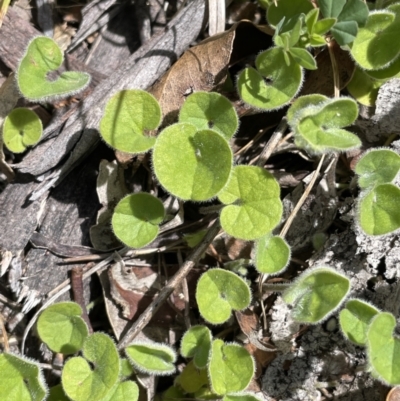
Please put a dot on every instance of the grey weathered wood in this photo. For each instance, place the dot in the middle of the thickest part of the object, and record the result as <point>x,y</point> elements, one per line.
<point>45,16</point>
<point>139,71</point>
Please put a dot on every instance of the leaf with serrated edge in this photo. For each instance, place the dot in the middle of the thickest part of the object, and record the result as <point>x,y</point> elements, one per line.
<point>254,208</point>
<point>196,344</point>
<point>136,218</point>
<point>282,84</point>
<point>379,211</point>
<point>316,294</point>
<point>354,320</point>
<point>43,56</point>
<point>218,292</point>
<point>152,358</point>
<point>230,369</point>
<point>61,327</point>
<point>272,255</point>
<point>378,166</point>
<point>210,110</point>
<point>21,379</point>
<point>191,164</point>
<point>22,128</point>
<point>80,381</point>
<point>128,118</point>
<point>384,348</point>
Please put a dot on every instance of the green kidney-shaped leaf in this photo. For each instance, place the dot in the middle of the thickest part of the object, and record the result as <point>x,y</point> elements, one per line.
<point>316,294</point>
<point>136,218</point>
<point>364,88</point>
<point>218,292</point>
<point>42,57</point>
<point>152,358</point>
<point>21,379</point>
<point>384,348</point>
<point>378,166</point>
<point>210,110</point>
<point>374,48</point>
<point>56,393</point>
<point>80,381</point>
<point>230,369</point>
<point>192,379</point>
<point>61,327</point>
<point>287,9</point>
<point>245,396</point>
<point>273,84</point>
<point>191,164</point>
<point>317,128</point>
<point>128,118</point>
<point>196,344</point>
<point>123,391</point>
<point>355,319</point>
<point>272,255</point>
<point>22,128</point>
<point>254,206</point>
<point>314,102</point>
<point>379,210</point>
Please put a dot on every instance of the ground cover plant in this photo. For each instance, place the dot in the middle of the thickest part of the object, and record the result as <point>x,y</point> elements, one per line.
<point>204,193</point>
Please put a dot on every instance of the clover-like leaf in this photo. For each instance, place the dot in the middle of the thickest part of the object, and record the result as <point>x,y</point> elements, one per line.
<point>21,379</point>
<point>196,344</point>
<point>288,9</point>
<point>373,48</point>
<point>316,294</point>
<point>384,348</point>
<point>273,84</point>
<point>254,206</point>
<point>191,164</point>
<point>379,211</point>
<point>230,369</point>
<point>128,118</point>
<point>363,87</point>
<point>303,58</point>
<point>317,127</point>
<point>244,396</point>
<point>218,292</point>
<point>126,369</point>
<point>61,327</point>
<point>22,128</point>
<point>272,254</point>
<point>210,110</point>
<point>378,166</point>
<point>80,381</point>
<point>192,379</point>
<point>355,319</point>
<point>42,57</point>
<point>136,218</point>
<point>303,102</point>
<point>123,391</point>
<point>152,358</point>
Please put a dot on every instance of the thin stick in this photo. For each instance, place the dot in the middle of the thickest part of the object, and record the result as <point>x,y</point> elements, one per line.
<point>79,298</point>
<point>190,262</point>
<point>185,291</point>
<point>5,337</point>
<point>335,71</point>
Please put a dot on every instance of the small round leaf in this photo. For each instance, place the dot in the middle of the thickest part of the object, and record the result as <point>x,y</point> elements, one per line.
<point>355,319</point>
<point>22,128</point>
<point>128,118</point>
<point>230,369</point>
<point>378,166</point>
<point>191,164</point>
<point>254,206</point>
<point>316,294</point>
<point>210,110</point>
<point>379,210</point>
<point>272,255</point>
<point>42,57</point>
<point>218,292</point>
<point>196,344</point>
<point>273,84</point>
<point>61,327</point>
<point>384,348</point>
<point>21,379</point>
<point>80,381</point>
<point>136,218</point>
<point>152,358</point>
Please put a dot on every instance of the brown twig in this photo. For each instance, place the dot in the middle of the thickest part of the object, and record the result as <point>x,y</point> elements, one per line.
<point>190,262</point>
<point>4,333</point>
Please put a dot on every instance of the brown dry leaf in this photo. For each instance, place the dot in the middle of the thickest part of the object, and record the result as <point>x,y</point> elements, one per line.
<point>248,321</point>
<point>262,358</point>
<point>321,80</point>
<point>205,66</point>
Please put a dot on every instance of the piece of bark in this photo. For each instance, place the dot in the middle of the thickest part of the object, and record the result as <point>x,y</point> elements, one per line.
<point>138,72</point>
